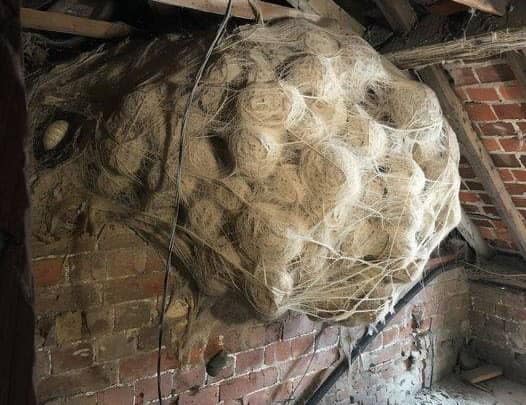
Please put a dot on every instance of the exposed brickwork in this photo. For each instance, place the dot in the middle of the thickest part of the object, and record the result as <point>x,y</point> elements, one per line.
<point>96,339</point>
<point>498,327</point>
<point>496,105</point>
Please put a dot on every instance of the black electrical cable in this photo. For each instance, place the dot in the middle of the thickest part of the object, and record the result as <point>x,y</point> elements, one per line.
<point>367,338</point>
<point>219,34</point>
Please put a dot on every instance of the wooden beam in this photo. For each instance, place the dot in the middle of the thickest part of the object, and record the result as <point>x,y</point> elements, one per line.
<point>475,47</point>
<point>398,13</point>
<point>517,62</point>
<point>329,9</point>
<point>69,24</point>
<point>471,234</point>
<point>497,7</point>
<point>477,155</point>
<point>242,8</point>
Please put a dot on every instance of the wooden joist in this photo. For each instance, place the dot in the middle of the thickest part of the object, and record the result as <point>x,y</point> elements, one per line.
<point>329,9</point>
<point>477,155</point>
<point>398,13</point>
<point>497,7</point>
<point>482,373</point>
<point>68,24</point>
<point>242,8</point>
<point>475,47</point>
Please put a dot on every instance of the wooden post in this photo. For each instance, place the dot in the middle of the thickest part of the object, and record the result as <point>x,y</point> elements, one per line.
<point>517,62</point>
<point>398,13</point>
<point>16,289</point>
<point>329,9</point>
<point>69,24</point>
<point>471,233</point>
<point>477,155</point>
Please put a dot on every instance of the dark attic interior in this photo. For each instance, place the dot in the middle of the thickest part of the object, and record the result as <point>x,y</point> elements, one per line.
<point>245,202</point>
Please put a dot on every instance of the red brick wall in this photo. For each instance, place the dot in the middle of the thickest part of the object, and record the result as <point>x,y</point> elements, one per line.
<point>96,338</point>
<point>496,105</point>
<point>498,327</point>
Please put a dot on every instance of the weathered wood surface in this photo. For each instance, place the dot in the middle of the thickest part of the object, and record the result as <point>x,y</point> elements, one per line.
<point>69,24</point>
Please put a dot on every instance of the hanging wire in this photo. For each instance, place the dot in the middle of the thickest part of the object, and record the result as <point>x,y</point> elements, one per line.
<point>182,143</point>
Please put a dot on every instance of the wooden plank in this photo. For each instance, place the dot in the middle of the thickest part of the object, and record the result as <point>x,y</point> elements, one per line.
<point>482,373</point>
<point>497,7</point>
<point>477,155</point>
<point>475,47</point>
<point>69,24</point>
<point>398,13</point>
<point>17,320</point>
<point>329,9</point>
<point>471,233</point>
<point>242,8</point>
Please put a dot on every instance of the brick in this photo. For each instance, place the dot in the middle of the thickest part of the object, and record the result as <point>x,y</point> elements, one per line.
<point>205,396</point>
<point>187,379</point>
<point>261,335</point>
<point>114,347</point>
<point>497,129</point>
<point>519,174</point>
<point>473,209</point>
<point>491,145</point>
<point>316,362</point>
<point>467,173</point>
<point>506,175</point>
<point>492,211</point>
<point>511,92</point>
<point>513,144</point>
<point>249,360</point>
<point>305,344</point>
<point>277,352</point>
<point>42,364</point>
<point>238,387</point>
<point>463,76</point>
<point>85,380</point>
<point>275,395</point>
<point>145,364</point>
<point>486,198</point>
<point>505,160</point>
<point>99,321</point>
<point>516,189</point>
<point>115,396</point>
<point>133,288</point>
<point>474,186</point>
<point>146,389</point>
<point>126,262</point>
<point>510,111</point>
<point>297,325</point>
<point>482,94</point>
<point>495,73</point>
<point>480,112</point>
<point>523,160</point>
<point>132,315</point>
<point>327,337</point>
<point>48,272</point>
<point>482,222</point>
<point>69,298</point>
<point>148,337</point>
<point>87,267</point>
<point>469,197</point>
<point>73,357</point>
<point>519,202</point>
<point>68,327</point>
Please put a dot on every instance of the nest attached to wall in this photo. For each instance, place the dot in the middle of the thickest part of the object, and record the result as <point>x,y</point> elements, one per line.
<point>316,178</point>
